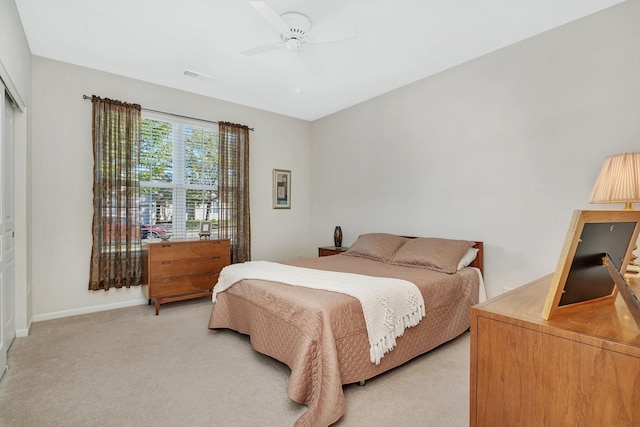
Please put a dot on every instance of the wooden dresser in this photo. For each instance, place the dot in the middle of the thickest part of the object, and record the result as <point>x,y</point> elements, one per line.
<point>182,269</point>
<point>580,369</point>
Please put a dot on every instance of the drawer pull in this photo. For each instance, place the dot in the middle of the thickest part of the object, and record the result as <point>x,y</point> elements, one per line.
<point>216,257</point>
<point>166,262</point>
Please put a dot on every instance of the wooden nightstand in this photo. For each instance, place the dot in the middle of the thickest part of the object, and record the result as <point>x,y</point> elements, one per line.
<point>330,250</point>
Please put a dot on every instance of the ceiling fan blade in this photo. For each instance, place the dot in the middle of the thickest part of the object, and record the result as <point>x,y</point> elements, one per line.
<point>270,15</point>
<point>262,48</point>
<point>334,34</point>
<point>310,62</point>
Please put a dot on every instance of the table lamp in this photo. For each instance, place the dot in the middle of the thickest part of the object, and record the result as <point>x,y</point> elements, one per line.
<point>619,182</point>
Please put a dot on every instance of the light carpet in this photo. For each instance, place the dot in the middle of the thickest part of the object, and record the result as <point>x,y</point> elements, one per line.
<point>128,367</point>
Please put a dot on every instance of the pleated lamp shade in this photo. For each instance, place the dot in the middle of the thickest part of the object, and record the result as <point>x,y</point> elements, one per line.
<point>618,181</point>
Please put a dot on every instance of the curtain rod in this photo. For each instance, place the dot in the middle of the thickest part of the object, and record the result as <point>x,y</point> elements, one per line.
<point>170,114</point>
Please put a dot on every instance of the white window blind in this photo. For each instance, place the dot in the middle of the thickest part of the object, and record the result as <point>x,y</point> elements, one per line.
<point>178,176</point>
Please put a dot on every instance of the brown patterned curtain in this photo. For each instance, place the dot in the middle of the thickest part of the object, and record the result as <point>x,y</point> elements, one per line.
<point>233,189</point>
<point>115,255</point>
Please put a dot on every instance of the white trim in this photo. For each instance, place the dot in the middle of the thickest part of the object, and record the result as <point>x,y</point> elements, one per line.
<point>21,333</point>
<point>87,310</point>
<point>11,88</point>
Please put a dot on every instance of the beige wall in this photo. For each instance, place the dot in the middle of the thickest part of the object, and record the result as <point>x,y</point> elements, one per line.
<point>62,179</point>
<point>15,72</point>
<point>15,55</point>
<point>500,149</point>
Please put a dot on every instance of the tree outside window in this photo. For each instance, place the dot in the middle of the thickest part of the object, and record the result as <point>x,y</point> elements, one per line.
<point>178,177</point>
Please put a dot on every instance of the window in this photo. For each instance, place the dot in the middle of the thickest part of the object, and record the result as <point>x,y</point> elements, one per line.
<point>178,176</point>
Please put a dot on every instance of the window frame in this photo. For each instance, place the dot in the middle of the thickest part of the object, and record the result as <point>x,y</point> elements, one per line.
<point>179,184</point>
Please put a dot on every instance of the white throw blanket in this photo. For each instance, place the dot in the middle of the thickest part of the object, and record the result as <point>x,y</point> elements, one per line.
<point>389,305</point>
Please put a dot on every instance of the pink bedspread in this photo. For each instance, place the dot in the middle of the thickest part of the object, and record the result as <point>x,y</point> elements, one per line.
<point>322,336</point>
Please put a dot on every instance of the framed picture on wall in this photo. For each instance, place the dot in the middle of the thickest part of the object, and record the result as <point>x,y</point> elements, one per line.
<point>281,189</point>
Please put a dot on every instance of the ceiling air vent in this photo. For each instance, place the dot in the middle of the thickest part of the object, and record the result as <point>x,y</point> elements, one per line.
<point>197,75</point>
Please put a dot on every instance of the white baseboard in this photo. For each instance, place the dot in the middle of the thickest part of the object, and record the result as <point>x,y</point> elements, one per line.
<point>87,310</point>
<point>21,333</point>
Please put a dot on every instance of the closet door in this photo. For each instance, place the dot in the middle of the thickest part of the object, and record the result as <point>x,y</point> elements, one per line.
<point>7,292</point>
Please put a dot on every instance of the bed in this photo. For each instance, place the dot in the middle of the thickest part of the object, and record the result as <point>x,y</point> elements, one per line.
<point>322,335</point>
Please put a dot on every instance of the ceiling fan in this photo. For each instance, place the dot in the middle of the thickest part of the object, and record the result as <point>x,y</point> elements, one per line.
<point>295,34</point>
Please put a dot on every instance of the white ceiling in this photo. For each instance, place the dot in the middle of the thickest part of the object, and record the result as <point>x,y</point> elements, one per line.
<point>398,42</point>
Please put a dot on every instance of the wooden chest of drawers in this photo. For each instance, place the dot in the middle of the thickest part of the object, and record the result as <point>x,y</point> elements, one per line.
<point>182,269</point>
<point>578,369</point>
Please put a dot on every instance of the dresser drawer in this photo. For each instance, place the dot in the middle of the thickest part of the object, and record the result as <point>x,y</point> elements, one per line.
<point>183,250</point>
<point>177,267</point>
<point>170,286</point>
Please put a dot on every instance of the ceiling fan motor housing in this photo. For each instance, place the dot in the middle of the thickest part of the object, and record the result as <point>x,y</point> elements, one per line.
<point>297,33</point>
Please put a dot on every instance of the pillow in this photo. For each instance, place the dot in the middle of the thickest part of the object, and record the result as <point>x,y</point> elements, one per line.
<point>468,258</point>
<point>442,255</point>
<point>377,246</point>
